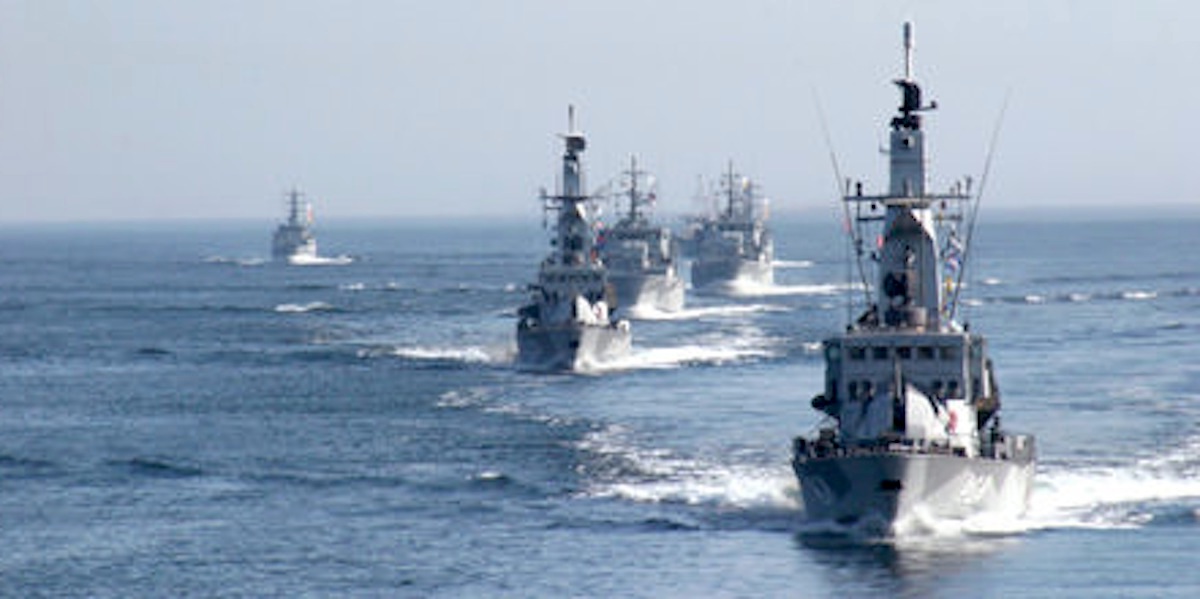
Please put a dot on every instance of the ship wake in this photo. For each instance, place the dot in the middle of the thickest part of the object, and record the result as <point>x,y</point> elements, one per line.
<point>704,313</point>
<point>742,288</point>
<point>744,344</point>
<point>1160,489</point>
<point>320,260</point>
<point>617,467</point>
<point>235,261</point>
<point>444,355</point>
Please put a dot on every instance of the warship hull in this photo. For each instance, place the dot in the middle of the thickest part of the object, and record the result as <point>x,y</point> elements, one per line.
<point>636,292</point>
<point>708,273</point>
<point>570,348</point>
<point>888,491</point>
<point>291,247</point>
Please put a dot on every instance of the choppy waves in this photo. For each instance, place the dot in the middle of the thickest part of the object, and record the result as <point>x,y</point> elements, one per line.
<point>235,261</point>
<point>744,343</point>
<point>464,355</point>
<point>1075,297</point>
<point>751,289</point>
<point>1165,486</point>
<point>304,308</point>
<point>706,312</point>
<point>619,468</point>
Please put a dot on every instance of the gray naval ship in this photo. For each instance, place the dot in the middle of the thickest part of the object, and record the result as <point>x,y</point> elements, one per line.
<point>293,241</point>
<point>915,433</point>
<point>641,257</point>
<point>569,322</point>
<point>735,246</point>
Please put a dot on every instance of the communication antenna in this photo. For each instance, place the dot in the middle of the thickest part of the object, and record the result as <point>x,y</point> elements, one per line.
<point>908,51</point>
<point>853,237</point>
<point>983,179</point>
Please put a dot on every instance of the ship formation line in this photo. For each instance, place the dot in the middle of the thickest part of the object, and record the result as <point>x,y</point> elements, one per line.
<point>911,403</point>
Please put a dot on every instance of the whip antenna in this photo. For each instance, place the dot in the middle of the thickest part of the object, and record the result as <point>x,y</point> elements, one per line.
<point>987,167</point>
<point>851,230</point>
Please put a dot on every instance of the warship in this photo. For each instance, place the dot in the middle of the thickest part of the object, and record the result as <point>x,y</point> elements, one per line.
<point>569,322</point>
<point>641,257</point>
<point>735,246</point>
<point>913,435</point>
<point>293,241</point>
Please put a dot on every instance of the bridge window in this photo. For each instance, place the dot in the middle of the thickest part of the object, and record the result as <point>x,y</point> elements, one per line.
<point>904,353</point>
<point>925,353</point>
<point>880,353</point>
<point>858,353</point>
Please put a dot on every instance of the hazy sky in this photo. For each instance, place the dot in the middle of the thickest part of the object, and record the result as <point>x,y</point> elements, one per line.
<point>131,109</point>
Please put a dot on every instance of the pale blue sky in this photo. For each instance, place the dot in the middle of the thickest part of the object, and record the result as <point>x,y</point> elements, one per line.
<point>143,109</point>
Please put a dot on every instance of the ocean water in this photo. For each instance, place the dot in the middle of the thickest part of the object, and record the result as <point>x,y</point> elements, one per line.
<point>180,418</point>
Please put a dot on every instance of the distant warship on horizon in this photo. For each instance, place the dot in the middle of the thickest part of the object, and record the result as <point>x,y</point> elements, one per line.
<point>641,257</point>
<point>733,246</point>
<point>293,240</point>
<point>911,394</point>
<point>294,243</point>
<point>569,322</point>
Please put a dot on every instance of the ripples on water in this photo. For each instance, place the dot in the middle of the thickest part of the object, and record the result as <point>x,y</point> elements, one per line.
<point>179,424</point>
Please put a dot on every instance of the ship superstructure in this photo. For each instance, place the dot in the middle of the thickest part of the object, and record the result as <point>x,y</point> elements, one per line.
<point>734,246</point>
<point>293,240</point>
<point>641,256</point>
<point>912,396</point>
<point>569,322</point>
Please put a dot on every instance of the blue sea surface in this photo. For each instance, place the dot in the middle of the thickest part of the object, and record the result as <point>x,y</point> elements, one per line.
<point>179,417</point>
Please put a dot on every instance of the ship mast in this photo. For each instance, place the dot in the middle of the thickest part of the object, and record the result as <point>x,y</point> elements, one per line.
<point>730,190</point>
<point>907,148</point>
<point>573,235</point>
<point>633,173</point>
<point>294,207</point>
<point>909,291</point>
<point>908,51</point>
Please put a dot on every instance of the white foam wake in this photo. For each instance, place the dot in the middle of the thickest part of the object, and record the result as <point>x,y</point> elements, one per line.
<point>303,308</point>
<point>752,289</point>
<point>466,355</point>
<point>1139,295</point>
<point>1097,497</point>
<point>792,263</point>
<point>626,471</point>
<point>235,261</point>
<point>647,313</point>
<point>320,260</point>
<point>748,343</point>
<point>463,398</point>
<point>1110,496</point>
<point>674,357</point>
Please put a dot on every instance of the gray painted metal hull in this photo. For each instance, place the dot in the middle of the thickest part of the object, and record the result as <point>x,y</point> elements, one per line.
<point>647,291</point>
<point>891,489</point>
<point>290,241</point>
<point>707,273</point>
<point>570,347</point>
